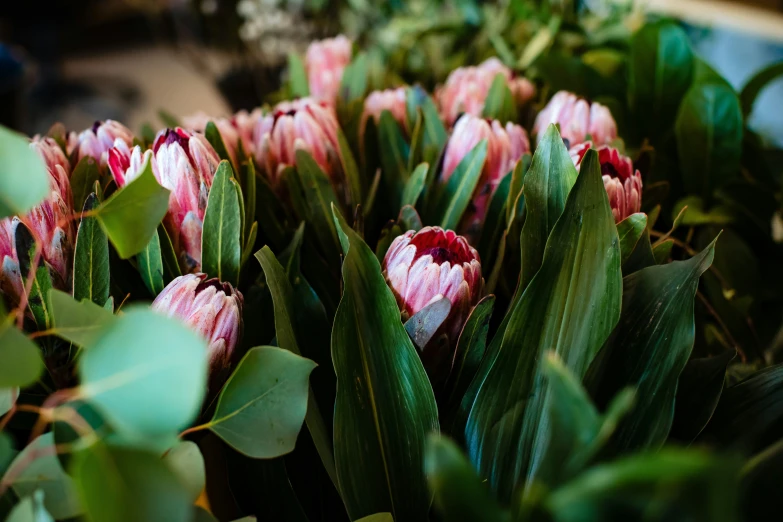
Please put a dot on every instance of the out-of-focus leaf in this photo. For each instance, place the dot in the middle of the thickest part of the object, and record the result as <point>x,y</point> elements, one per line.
<point>83,179</point>
<point>151,266</point>
<point>168,119</point>
<point>80,322</point>
<point>297,76</point>
<point>24,182</point>
<point>385,406</point>
<point>215,139</point>
<point>186,461</point>
<point>499,103</point>
<point>378,517</point>
<point>662,251</point>
<point>423,326</point>
<point>629,231</point>
<point>221,248</point>
<point>8,398</point>
<point>457,192</point>
<point>354,80</point>
<point>756,84</point>
<point>695,214</point>
<point>415,185</point>
<point>91,275</point>
<point>435,133</point>
<point>20,359</point>
<point>760,484</point>
<point>30,509</point>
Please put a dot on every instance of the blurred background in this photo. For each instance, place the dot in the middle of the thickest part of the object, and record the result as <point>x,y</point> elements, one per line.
<point>83,60</point>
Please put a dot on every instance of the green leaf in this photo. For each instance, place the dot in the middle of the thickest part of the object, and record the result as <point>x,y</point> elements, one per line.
<point>709,131</point>
<point>385,405</point>
<point>649,348</point>
<point>30,509</point>
<point>91,275</point>
<point>435,133</point>
<point>641,256</point>
<point>394,151</point>
<point>416,142</point>
<point>423,326</point>
<point>661,69</point>
<point>570,306</point>
<point>460,495</point>
<point>129,485</point>
<point>24,181</point>
<point>83,179</point>
<point>352,176</point>
<point>377,517</point>
<point>499,103</point>
<point>221,249</point>
<point>262,406</point>
<point>629,231</point>
<point>415,185</point>
<point>270,212</point>
<point>495,221</point>
<point>692,212</point>
<point>132,214</point>
<point>171,267</point>
<point>319,197</point>
<point>80,322</point>
<point>186,462</point>
<point>458,190</point>
<point>297,76</point>
<point>168,119</point>
<point>37,468</point>
<point>250,192</point>
<point>142,389</point>
<point>354,81</point>
<point>8,398</point>
<point>215,139</point>
<point>150,264</point>
<point>662,251</point>
<point>20,360</point>
<point>37,300</point>
<point>756,84</point>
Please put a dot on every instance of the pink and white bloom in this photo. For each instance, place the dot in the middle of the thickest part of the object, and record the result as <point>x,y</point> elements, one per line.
<point>208,306</point>
<point>185,163</point>
<point>505,147</point>
<point>51,153</point>
<point>392,100</point>
<point>578,119</point>
<point>466,89</point>
<point>293,125</point>
<point>98,140</point>
<point>623,184</point>
<point>325,62</point>
<point>235,131</point>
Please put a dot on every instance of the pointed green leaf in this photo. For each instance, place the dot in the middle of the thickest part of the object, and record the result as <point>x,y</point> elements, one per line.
<point>151,266</point>
<point>630,230</point>
<point>662,251</point>
<point>24,181</point>
<point>168,255</point>
<point>83,178</point>
<point>354,81</point>
<point>91,275</point>
<point>394,151</point>
<point>642,255</point>
<point>458,191</point>
<point>435,133</point>
<point>80,322</point>
<point>415,185</point>
<point>495,221</point>
<point>499,103</point>
<point>352,176</point>
<point>270,213</point>
<point>215,139</point>
<point>37,299</point>
<point>297,76</point>
<point>20,359</point>
<point>221,251</point>
<point>319,197</point>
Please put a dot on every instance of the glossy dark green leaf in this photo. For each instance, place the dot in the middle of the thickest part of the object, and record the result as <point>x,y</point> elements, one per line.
<point>460,495</point>
<point>499,103</point>
<point>571,306</point>
<point>25,181</point>
<point>150,265</point>
<point>132,214</point>
<point>37,298</point>
<point>80,322</point>
<point>262,406</point>
<point>83,178</point>
<point>385,405</point>
<point>319,197</point>
<point>415,185</point>
<point>649,348</point>
<point>423,326</point>
<point>221,248</point>
<point>756,84</point>
<point>91,276</point>
<point>351,170</point>
<point>630,230</point>
<point>20,359</point>
<point>457,192</point>
<point>417,141</point>
<point>709,131</point>
<point>394,151</point>
<point>297,76</point>
<point>641,256</point>
<point>495,220</point>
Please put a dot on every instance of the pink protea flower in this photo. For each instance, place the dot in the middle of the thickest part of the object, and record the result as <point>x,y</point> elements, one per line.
<point>422,267</point>
<point>325,62</point>
<point>392,100</point>
<point>623,184</point>
<point>235,130</point>
<point>578,119</point>
<point>185,163</point>
<point>466,89</point>
<point>211,308</point>
<point>51,152</point>
<point>301,124</point>
<point>99,139</point>
<point>505,147</point>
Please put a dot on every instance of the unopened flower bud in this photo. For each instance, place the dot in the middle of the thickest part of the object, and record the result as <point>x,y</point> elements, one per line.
<point>325,62</point>
<point>235,131</point>
<point>579,120</point>
<point>392,100</point>
<point>51,152</point>
<point>98,140</point>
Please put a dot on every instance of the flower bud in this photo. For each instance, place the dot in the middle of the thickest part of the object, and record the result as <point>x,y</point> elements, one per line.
<point>301,124</point>
<point>579,120</point>
<point>623,184</point>
<point>422,267</point>
<point>325,62</point>
<point>505,147</point>
<point>51,153</point>
<point>392,100</point>
<point>98,140</point>
<point>466,89</point>
<point>235,130</point>
<point>211,308</point>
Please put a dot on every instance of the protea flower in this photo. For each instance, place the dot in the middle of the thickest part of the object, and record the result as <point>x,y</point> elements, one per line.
<point>235,130</point>
<point>185,164</point>
<point>325,62</point>
<point>392,100</point>
<point>466,89</point>
<point>301,124</point>
<point>212,308</point>
<point>623,184</point>
<point>51,153</point>
<point>421,267</point>
<point>505,146</point>
<point>99,139</point>
<point>579,120</point>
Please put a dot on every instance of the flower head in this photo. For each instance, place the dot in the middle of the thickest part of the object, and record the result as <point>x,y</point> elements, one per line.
<point>325,62</point>
<point>392,100</point>
<point>51,153</point>
<point>466,89</point>
<point>211,308</point>
<point>300,124</point>
<point>623,184</point>
<point>505,147</point>
<point>578,119</point>
<point>236,130</point>
<point>99,139</point>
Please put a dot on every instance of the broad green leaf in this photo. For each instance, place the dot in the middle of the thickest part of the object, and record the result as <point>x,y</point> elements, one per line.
<point>30,509</point>
<point>37,299</point>
<point>354,81</point>
<point>77,425</point>
<point>215,139</point>
<point>132,214</point>
<point>24,181</point>
<point>37,468</point>
<point>171,267</point>
<point>385,405</point>
<point>129,485</point>
<point>297,76</point>
<point>499,103</point>
<point>20,359</point>
<point>709,131</point>
<point>661,69</point>
<point>415,185</point>
<point>570,307</point>
<point>352,176</point>
<point>83,179</point>
<point>80,322</point>
<point>221,249</point>
<point>8,398</point>
<point>186,462</point>
<point>319,196</point>
<point>150,264</point>
<point>457,191</point>
<point>649,348</point>
<point>641,256</point>
<point>140,388</point>
<point>460,495</point>
<point>495,221</point>
<point>394,151</point>
<point>756,84</point>
<point>91,274</point>
<point>629,231</point>
<point>423,326</point>
<point>262,406</point>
